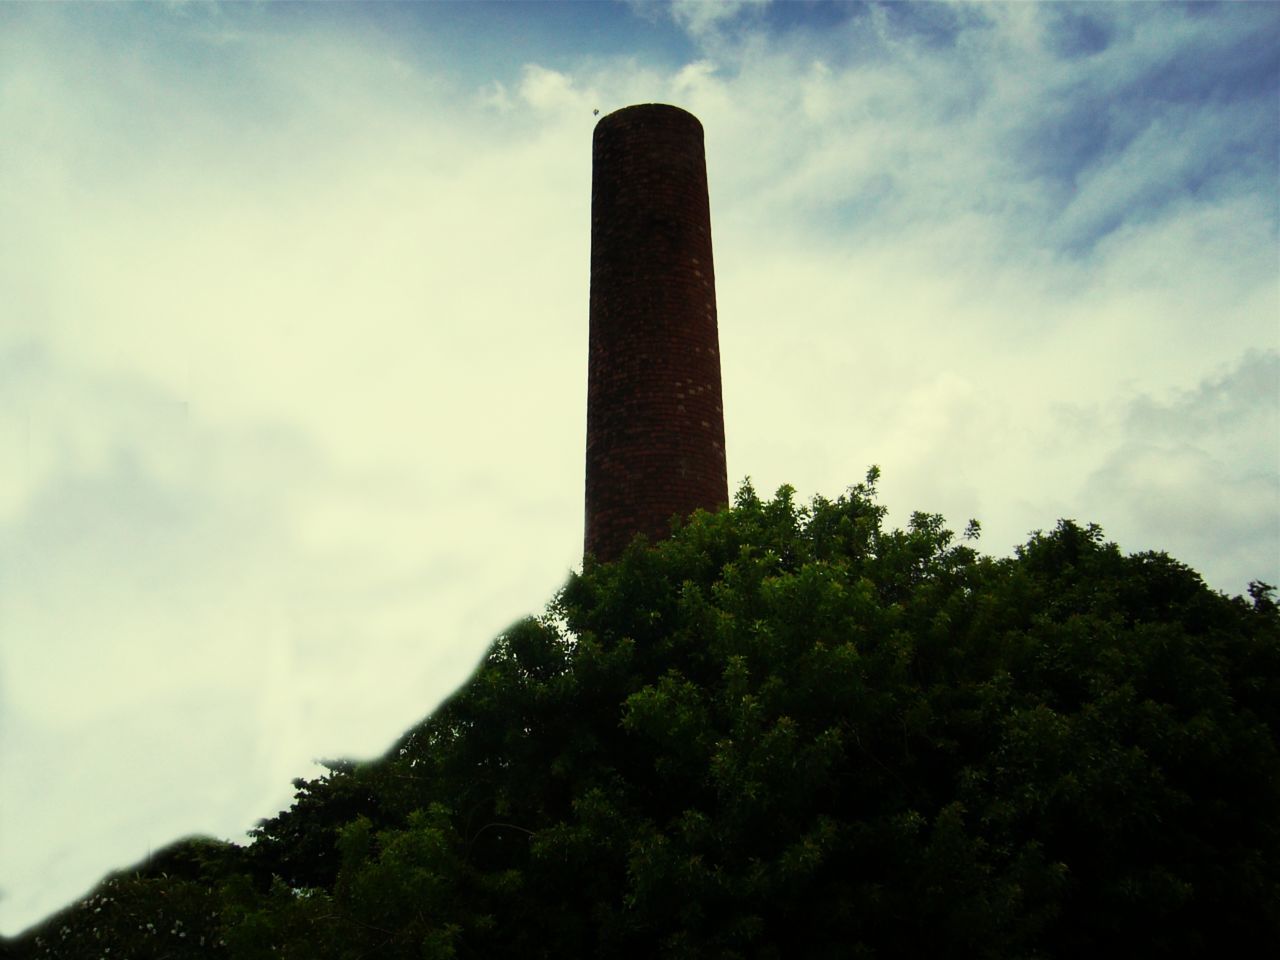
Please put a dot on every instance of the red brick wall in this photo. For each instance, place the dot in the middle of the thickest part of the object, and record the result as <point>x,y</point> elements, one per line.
<point>655,421</point>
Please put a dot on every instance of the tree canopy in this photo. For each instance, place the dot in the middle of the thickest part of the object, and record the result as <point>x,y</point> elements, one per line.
<point>786,731</point>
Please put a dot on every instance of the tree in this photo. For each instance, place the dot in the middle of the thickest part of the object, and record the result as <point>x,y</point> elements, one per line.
<point>790,731</point>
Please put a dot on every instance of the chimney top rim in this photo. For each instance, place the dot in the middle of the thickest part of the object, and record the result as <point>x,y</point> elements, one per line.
<point>654,109</point>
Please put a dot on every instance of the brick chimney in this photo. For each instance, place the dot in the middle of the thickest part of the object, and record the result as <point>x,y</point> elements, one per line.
<point>655,420</point>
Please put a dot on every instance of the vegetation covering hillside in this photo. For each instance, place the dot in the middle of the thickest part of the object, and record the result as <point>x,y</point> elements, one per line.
<point>787,732</point>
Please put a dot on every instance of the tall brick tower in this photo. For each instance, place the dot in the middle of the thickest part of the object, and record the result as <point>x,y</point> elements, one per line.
<point>655,420</point>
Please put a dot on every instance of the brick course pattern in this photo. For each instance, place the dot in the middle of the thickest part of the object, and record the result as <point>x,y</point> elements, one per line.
<point>655,417</point>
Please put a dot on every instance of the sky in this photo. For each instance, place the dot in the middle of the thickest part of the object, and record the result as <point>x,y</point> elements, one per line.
<point>293,338</point>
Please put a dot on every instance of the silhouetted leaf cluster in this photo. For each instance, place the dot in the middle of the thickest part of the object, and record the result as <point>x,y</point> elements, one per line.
<point>788,732</point>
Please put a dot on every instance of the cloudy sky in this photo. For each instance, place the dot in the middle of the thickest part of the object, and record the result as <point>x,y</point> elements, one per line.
<point>293,320</point>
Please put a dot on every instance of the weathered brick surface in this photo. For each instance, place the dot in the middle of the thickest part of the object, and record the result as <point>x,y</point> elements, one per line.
<point>655,421</point>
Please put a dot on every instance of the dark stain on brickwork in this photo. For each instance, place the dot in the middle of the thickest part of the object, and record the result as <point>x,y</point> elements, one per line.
<point>655,421</point>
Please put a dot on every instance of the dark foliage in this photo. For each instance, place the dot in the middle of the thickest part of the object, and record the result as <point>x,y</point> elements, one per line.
<point>788,732</point>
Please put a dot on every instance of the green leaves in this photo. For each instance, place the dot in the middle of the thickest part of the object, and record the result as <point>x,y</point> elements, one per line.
<point>789,731</point>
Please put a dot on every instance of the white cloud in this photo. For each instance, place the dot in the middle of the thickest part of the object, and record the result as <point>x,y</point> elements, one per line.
<point>1202,467</point>
<point>495,97</point>
<point>158,565</point>
<point>701,19</point>
<point>270,491</point>
<point>694,78</point>
<point>546,89</point>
